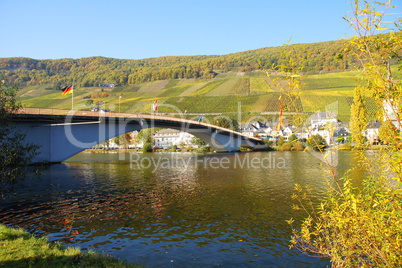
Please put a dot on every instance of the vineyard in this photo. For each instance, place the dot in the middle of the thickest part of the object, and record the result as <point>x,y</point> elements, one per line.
<point>225,94</point>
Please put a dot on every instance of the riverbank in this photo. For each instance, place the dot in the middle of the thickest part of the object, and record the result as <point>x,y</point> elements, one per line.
<point>204,149</point>
<point>19,248</point>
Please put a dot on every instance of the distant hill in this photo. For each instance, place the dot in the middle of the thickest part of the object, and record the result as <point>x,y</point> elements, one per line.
<point>89,72</point>
<point>194,85</point>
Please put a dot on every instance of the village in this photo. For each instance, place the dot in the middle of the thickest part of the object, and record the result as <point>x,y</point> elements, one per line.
<point>325,124</point>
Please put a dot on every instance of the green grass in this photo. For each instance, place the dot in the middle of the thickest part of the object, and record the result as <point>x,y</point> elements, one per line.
<point>126,89</point>
<point>21,249</point>
<point>173,83</point>
<point>242,86</point>
<point>36,91</point>
<point>208,104</point>
<point>153,86</point>
<point>259,85</point>
<point>175,91</point>
<point>225,88</point>
<point>331,80</point>
<point>316,103</point>
<point>194,88</point>
<point>208,87</point>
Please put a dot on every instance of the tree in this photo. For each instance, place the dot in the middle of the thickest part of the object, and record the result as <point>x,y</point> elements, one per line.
<point>227,122</point>
<point>89,103</point>
<point>146,133</point>
<point>358,119</point>
<point>362,227</point>
<point>15,153</point>
<point>197,141</point>
<point>286,146</point>
<point>317,142</point>
<point>388,134</point>
<point>145,136</point>
<point>127,139</point>
<point>298,146</point>
<point>116,141</point>
<point>147,146</point>
<point>293,138</point>
<point>280,141</point>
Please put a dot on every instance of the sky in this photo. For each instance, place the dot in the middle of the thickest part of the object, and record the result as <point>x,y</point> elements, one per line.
<point>138,29</point>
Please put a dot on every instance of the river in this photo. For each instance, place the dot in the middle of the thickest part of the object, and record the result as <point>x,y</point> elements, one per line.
<point>174,209</point>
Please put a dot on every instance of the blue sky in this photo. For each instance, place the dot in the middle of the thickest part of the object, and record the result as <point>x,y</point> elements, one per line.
<point>134,29</point>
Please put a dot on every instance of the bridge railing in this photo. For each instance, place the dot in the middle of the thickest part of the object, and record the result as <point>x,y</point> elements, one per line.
<point>51,111</point>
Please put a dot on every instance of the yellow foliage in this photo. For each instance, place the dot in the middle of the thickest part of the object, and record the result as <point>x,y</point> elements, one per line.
<point>363,227</point>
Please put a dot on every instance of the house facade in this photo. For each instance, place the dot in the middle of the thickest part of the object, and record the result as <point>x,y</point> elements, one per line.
<point>166,138</point>
<point>321,119</point>
<point>372,132</point>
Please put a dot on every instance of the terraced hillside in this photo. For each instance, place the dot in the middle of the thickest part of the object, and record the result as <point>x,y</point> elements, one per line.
<point>228,93</point>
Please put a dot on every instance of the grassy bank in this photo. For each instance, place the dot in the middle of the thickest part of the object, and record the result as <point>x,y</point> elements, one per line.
<point>18,248</point>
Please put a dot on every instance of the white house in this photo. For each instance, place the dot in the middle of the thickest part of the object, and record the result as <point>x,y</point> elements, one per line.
<point>322,119</point>
<point>391,113</point>
<point>247,129</point>
<point>323,132</point>
<point>372,131</point>
<point>287,131</point>
<point>168,137</point>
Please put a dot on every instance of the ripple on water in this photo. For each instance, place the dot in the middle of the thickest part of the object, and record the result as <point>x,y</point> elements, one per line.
<point>196,216</point>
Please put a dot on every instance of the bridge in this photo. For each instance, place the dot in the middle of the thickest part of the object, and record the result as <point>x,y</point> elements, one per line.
<point>62,134</point>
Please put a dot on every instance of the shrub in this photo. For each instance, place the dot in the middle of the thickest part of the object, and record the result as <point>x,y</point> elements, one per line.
<point>298,146</point>
<point>280,141</point>
<point>286,146</point>
<point>317,142</point>
<point>147,147</point>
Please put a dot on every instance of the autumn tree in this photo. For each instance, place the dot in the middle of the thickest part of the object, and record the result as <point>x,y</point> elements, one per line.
<point>15,153</point>
<point>358,118</point>
<point>362,227</point>
<point>388,134</point>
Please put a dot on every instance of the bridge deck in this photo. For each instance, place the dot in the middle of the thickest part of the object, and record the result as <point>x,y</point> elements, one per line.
<point>58,115</point>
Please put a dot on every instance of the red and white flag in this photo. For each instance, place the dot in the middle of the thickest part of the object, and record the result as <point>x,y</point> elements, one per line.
<point>155,105</point>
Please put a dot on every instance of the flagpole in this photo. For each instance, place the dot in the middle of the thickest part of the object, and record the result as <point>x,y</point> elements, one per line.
<point>72,97</point>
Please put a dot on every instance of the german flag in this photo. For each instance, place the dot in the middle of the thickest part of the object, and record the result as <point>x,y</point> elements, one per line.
<point>67,90</point>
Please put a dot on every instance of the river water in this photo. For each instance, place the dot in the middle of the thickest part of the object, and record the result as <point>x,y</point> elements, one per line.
<point>174,209</point>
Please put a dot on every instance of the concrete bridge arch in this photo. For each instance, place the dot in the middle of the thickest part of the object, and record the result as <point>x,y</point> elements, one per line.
<point>63,134</point>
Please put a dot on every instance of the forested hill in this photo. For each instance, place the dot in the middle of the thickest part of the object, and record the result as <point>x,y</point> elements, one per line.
<point>87,72</point>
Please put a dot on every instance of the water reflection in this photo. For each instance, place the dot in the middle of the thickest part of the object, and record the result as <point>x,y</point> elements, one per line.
<point>185,212</point>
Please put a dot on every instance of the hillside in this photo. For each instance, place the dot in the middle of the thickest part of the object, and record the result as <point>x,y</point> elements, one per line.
<point>197,85</point>
<point>225,94</point>
<point>88,72</point>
